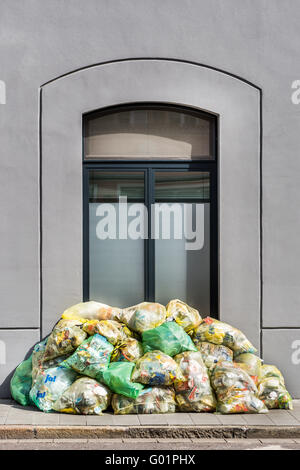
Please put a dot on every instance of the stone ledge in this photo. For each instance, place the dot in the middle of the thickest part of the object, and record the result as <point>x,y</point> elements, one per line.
<point>148,432</point>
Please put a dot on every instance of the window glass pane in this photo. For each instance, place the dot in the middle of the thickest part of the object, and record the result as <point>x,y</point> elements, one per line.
<point>182,245</point>
<point>116,261</point>
<point>148,133</point>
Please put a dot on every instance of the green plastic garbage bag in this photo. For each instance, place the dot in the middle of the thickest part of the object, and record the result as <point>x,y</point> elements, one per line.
<point>85,396</point>
<point>50,385</point>
<point>118,378</point>
<point>156,368</point>
<point>235,390</point>
<point>151,400</point>
<point>169,338</point>
<point>21,382</point>
<point>66,336</point>
<point>194,393</point>
<point>217,332</point>
<point>91,357</point>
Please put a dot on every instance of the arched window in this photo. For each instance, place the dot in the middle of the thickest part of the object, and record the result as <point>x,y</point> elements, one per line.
<point>150,206</point>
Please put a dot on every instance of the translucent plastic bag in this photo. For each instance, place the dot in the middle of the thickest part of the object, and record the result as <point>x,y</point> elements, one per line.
<point>130,350</point>
<point>143,316</point>
<point>66,336</point>
<point>114,331</point>
<point>91,311</point>
<point>39,364</point>
<point>50,385</point>
<point>150,401</point>
<point>195,392</point>
<point>156,368</point>
<point>251,364</point>
<point>187,317</point>
<point>272,390</point>
<point>21,382</point>
<point>91,358</point>
<point>169,338</point>
<point>213,353</point>
<point>217,332</point>
<point>235,390</point>
<point>85,396</point>
<point>118,378</point>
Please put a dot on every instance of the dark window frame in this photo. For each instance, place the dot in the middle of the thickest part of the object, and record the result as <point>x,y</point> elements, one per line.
<point>148,167</point>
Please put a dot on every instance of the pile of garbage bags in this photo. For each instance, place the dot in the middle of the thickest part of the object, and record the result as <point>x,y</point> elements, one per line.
<point>146,359</point>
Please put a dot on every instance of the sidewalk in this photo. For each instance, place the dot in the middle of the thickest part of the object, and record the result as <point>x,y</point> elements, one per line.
<point>17,422</point>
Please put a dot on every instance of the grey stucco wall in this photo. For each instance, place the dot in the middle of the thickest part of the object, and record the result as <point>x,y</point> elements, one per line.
<point>257,40</point>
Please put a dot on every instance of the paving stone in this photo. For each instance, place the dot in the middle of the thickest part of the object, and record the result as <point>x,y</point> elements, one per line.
<point>103,420</point>
<point>232,420</point>
<point>280,418</point>
<point>46,418</point>
<point>258,419</point>
<point>174,441</point>
<point>125,420</point>
<point>72,420</point>
<point>129,440</point>
<point>178,419</point>
<point>19,418</point>
<point>153,420</point>
<point>204,419</point>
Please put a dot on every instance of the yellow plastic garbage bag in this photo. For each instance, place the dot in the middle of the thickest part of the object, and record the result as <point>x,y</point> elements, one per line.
<point>85,396</point>
<point>91,311</point>
<point>217,332</point>
<point>114,331</point>
<point>91,358</point>
<point>194,393</point>
<point>251,364</point>
<point>272,390</point>
<point>156,368</point>
<point>187,317</point>
<point>66,336</point>
<point>130,350</point>
<point>213,353</point>
<point>235,390</point>
<point>150,400</point>
<point>50,385</point>
<point>143,316</point>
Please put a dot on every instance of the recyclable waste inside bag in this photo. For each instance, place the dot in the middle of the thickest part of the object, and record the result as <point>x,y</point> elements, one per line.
<point>156,368</point>
<point>251,364</point>
<point>91,311</point>
<point>130,350</point>
<point>21,382</point>
<point>118,378</point>
<point>66,336</point>
<point>272,390</point>
<point>186,316</point>
<point>113,331</point>
<point>50,385</point>
<point>143,316</point>
<point>194,393</point>
<point>150,400</point>
<point>235,390</point>
<point>85,396</point>
<point>153,359</point>
<point>217,332</point>
<point>92,357</point>
<point>213,353</point>
<point>169,338</point>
